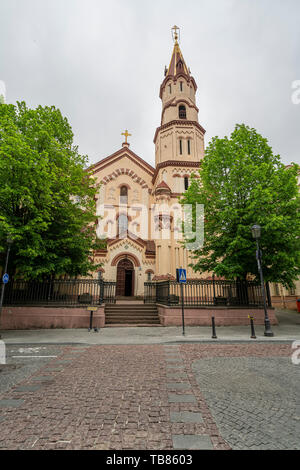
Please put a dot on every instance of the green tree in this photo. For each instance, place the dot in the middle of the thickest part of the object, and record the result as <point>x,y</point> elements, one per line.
<point>47,198</point>
<point>242,183</point>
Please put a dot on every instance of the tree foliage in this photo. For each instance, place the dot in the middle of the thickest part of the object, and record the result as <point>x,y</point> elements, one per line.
<point>47,198</point>
<point>241,183</point>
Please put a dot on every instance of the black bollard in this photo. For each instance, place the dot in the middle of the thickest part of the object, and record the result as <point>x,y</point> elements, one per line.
<point>91,321</point>
<point>214,336</point>
<point>252,328</point>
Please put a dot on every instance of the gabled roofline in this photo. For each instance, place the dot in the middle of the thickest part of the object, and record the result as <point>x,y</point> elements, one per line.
<point>119,153</point>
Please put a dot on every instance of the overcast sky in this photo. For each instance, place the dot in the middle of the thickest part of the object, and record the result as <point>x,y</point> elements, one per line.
<point>102,62</point>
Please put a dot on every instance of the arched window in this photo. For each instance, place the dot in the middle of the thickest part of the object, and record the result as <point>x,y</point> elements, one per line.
<point>182,112</point>
<point>180,146</point>
<point>189,146</point>
<point>124,195</point>
<point>123,225</point>
<point>186,182</point>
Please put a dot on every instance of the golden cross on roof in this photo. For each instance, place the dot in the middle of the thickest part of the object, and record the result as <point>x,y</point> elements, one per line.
<point>175,35</point>
<point>126,133</point>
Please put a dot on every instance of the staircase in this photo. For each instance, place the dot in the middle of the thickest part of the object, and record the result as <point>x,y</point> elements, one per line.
<point>131,314</point>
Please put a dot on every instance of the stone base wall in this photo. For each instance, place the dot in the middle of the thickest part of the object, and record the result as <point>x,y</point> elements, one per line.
<point>287,302</point>
<point>172,316</point>
<point>25,318</point>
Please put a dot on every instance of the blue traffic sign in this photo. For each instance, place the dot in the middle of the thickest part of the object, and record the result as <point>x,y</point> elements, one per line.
<point>181,275</point>
<point>5,278</point>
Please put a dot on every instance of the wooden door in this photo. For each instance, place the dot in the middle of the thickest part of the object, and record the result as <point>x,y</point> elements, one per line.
<point>125,282</point>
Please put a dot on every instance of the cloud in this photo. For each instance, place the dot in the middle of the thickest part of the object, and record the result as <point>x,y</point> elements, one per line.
<point>102,64</point>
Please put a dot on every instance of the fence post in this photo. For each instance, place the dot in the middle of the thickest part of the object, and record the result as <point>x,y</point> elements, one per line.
<point>101,291</point>
<point>214,289</point>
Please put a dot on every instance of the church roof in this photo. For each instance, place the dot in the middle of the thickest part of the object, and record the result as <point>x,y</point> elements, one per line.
<point>176,68</point>
<point>177,64</point>
<point>163,184</point>
<point>120,154</point>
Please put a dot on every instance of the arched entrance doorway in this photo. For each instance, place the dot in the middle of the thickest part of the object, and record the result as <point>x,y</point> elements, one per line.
<point>125,278</point>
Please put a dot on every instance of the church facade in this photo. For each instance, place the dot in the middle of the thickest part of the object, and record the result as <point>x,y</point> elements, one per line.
<point>138,208</point>
<point>138,205</point>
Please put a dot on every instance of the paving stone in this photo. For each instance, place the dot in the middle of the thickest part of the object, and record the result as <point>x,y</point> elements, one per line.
<point>43,378</point>
<point>173,367</point>
<point>172,359</point>
<point>182,398</point>
<point>28,388</point>
<point>246,395</point>
<point>63,361</point>
<point>190,442</point>
<point>179,386</point>
<point>260,401</point>
<point>186,417</point>
<point>10,403</point>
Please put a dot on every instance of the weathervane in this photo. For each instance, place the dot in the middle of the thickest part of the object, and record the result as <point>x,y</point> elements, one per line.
<point>175,34</point>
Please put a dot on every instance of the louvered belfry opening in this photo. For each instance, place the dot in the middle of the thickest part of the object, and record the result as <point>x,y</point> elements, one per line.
<point>182,112</point>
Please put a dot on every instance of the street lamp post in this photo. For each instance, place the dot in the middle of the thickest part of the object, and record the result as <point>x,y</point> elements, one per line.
<point>256,233</point>
<point>9,243</point>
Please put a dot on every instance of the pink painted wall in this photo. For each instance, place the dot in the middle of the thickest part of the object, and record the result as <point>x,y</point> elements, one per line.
<point>24,318</point>
<point>171,316</point>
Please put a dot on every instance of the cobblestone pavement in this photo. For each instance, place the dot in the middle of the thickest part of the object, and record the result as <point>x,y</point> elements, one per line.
<point>152,397</point>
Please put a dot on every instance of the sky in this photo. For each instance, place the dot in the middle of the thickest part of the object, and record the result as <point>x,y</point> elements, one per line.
<point>102,63</point>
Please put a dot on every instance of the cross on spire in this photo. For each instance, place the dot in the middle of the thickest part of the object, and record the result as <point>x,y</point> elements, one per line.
<point>175,34</point>
<point>126,134</point>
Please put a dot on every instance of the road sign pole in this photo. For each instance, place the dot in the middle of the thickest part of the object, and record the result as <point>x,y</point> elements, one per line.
<point>3,283</point>
<point>182,308</point>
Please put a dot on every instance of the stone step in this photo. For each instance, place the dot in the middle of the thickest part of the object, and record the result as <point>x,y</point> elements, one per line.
<point>131,314</point>
<point>132,321</point>
<point>132,305</point>
<point>132,309</point>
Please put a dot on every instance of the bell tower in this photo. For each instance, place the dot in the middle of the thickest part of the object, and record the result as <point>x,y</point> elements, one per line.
<point>180,138</point>
<point>179,149</point>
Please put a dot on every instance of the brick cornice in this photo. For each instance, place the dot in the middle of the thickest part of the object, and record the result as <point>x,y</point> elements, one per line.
<point>178,122</point>
<point>174,163</point>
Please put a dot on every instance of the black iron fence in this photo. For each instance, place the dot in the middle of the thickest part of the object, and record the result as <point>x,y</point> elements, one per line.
<point>204,293</point>
<point>73,292</point>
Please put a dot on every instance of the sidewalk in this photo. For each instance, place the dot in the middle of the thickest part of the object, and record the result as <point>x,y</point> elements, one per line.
<point>287,330</point>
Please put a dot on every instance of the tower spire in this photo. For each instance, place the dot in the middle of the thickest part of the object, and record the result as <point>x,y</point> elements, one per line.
<point>177,63</point>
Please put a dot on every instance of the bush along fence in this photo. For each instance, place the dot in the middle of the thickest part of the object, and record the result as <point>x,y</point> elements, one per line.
<point>73,292</point>
<point>205,293</point>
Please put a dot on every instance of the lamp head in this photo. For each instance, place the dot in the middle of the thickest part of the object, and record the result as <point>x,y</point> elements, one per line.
<point>256,231</point>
